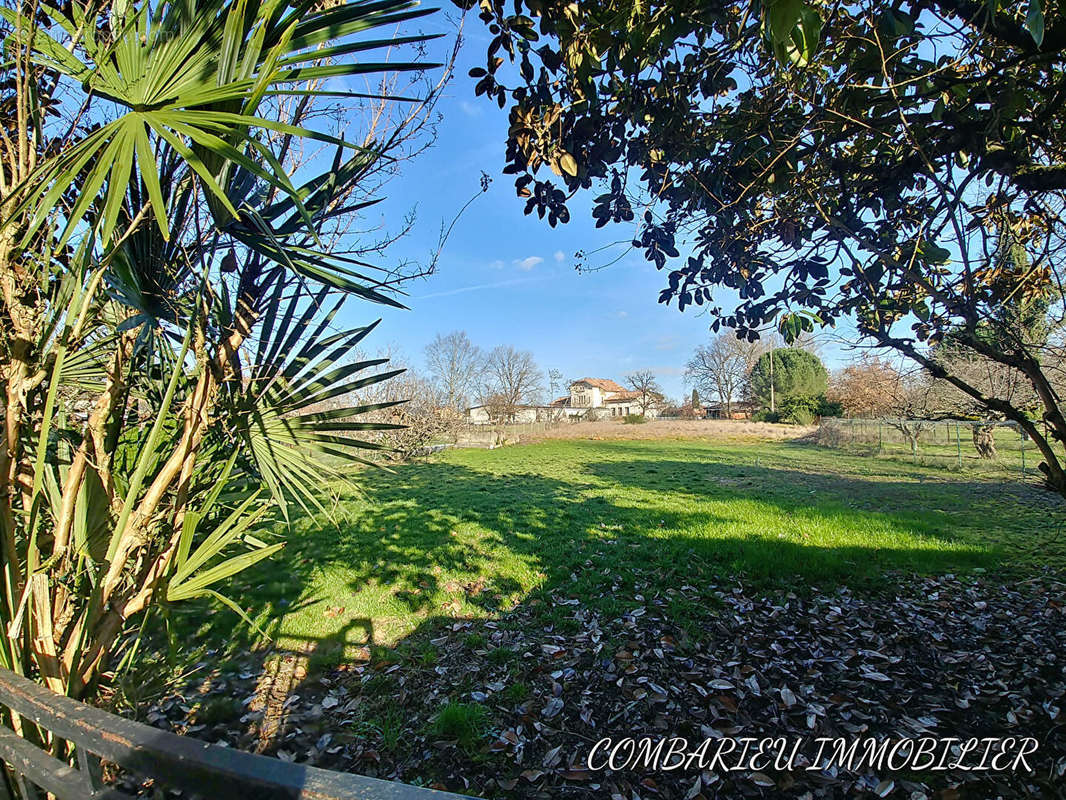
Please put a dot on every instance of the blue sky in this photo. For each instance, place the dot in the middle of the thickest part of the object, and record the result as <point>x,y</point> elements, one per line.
<point>509,279</point>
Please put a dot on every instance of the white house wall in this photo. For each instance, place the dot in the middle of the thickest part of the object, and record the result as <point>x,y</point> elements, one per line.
<point>479,415</point>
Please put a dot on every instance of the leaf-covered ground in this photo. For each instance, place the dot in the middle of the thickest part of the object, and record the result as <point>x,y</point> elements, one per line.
<point>511,708</point>
<point>477,623</point>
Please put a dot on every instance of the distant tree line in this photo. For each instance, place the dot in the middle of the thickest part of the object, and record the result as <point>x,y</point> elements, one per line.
<point>788,383</point>
<point>791,384</point>
<point>429,405</point>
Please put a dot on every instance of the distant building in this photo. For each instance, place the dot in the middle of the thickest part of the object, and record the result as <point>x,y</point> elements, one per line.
<point>738,409</point>
<point>603,398</point>
<point>589,399</point>
<point>482,415</point>
<point>603,393</point>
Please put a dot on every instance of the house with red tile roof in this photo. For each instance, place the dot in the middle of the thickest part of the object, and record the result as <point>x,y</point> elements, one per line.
<point>589,394</point>
<point>589,399</point>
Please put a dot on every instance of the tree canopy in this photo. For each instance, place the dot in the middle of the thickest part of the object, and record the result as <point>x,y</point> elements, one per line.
<point>647,389</point>
<point>795,373</point>
<point>455,365</point>
<point>867,387</point>
<point>800,163</point>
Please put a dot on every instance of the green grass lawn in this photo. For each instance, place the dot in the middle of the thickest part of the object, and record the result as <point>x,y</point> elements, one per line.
<point>945,445</point>
<point>476,532</point>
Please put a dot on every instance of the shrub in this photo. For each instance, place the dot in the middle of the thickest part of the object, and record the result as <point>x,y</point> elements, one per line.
<point>807,409</point>
<point>634,419</point>
<point>830,408</point>
<point>689,411</point>
<point>766,415</point>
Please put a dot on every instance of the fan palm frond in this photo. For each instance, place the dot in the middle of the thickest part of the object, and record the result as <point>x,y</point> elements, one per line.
<point>189,77</point>
<point>294,413</point>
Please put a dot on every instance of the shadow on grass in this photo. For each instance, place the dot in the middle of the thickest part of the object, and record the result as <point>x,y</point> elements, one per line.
<point>453,540</point>
<point>435,545</point>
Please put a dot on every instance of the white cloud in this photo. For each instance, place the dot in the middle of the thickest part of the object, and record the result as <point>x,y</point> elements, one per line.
<point>497,264</point>
<point>479,287</point>
<point>560,256</point>
<point>526,264</point>
<point>470,109</point>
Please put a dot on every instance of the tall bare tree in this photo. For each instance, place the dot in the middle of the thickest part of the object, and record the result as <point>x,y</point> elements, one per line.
<point>555,382</point>
<point>455,365</point>
<point>649,392</point>
<point>722,367</point>
<point>512,379</point>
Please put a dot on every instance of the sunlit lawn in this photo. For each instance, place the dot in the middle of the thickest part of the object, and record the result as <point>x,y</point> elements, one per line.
<point>476,532</point>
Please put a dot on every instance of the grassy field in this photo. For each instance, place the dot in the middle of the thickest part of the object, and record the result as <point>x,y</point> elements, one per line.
<point>943,444</point>
<point>476,532</point>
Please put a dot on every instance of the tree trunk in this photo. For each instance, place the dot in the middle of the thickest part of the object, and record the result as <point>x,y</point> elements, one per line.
<point>912,438</point>
<point>984,440</point>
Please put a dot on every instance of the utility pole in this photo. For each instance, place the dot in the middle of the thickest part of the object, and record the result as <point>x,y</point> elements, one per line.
<point>773,407</point>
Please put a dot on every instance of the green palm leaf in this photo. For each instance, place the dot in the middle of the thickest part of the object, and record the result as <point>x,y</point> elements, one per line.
<point>293,440</point>
<point>171,86</point>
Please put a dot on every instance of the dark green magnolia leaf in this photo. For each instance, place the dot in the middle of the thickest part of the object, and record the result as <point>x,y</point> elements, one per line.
<point>781,17</point>
<point>897,23</point>
<point>933,253</point>
<point>798,46</point>
<point>790,327</point>
<point>807,36</point>
<point>1034,21</point>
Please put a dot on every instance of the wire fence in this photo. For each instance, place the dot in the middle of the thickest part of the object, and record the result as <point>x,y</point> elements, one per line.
<point>995,448</point>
